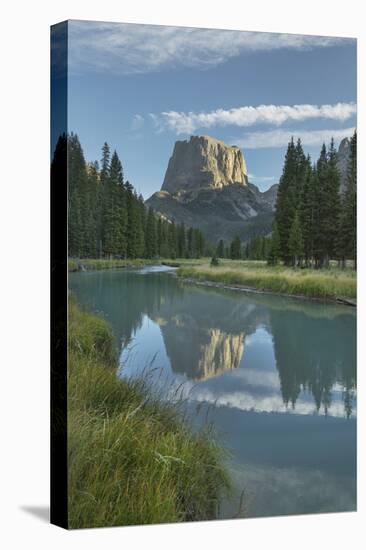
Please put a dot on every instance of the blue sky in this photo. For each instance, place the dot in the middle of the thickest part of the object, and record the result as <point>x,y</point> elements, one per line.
<point>140,88</point>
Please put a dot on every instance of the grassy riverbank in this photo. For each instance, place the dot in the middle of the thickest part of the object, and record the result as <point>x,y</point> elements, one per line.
<point>132,460</point>
<point>96,264</point>
<point>324,284</point>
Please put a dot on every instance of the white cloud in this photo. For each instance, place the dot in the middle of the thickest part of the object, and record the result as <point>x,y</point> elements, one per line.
<point>125,48</point>
<point>280,138</point>
<point>188,123</point>
<point>137,122</point>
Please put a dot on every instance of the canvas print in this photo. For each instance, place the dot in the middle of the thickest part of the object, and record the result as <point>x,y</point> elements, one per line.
<point>204,274</point>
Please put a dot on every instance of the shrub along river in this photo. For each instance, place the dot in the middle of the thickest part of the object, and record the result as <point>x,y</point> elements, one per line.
<point>275,376</point>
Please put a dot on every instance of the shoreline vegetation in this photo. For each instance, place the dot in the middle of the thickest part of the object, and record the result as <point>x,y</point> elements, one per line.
<point>331,284</point>
<point>327,284</point>
<point>132,458</point>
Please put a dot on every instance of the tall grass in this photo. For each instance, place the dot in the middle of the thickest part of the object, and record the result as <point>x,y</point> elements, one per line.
<point>132,460</point>
<point>326,284</point>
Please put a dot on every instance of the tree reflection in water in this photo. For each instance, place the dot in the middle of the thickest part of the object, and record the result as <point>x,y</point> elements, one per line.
<point>205,331</point>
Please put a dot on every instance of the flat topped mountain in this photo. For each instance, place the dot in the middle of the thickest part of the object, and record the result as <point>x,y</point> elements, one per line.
<point>206,186</point>
<point>204,162</point>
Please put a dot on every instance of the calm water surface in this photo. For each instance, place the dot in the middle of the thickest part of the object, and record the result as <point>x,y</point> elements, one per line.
<point>276,377</point>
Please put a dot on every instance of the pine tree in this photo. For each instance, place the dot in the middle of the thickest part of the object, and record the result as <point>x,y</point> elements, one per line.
<point>190,242</point>
<point>275,245</point>
<point>164,251</point>
<point>142,226</point>
<point>320,238</point>
<point>159,235</point>
<point>235,248</point>
<point>105,163</point>
<point>220,251</point>
<point>77,182</point>
<point>151,236</point>
<point>301,170</point>
<point>308,206</point>
<point>201,242</point>
<point>133,223</point>
<point>172,240</point>
<point>119,243</point>
<point>288,195</point>
<point>116,170</point>
<point>296,245</point>
<point>112,178</point>
<point>182,245</point>
<point>196,243</point>
<point>263,251</point>
<point>105,200</point>
<point>90,245</point>
<point>332,205</point>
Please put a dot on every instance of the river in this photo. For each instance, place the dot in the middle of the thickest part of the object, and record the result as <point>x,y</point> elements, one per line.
<point>276,377</point>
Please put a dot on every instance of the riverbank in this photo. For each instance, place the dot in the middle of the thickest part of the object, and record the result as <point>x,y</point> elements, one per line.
<point>94,264</point>
<point>132,460</point>
<point>89,264</point>
<point>326,285</point>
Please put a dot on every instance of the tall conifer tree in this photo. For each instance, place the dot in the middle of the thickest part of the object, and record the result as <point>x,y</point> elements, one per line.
<point>151,236</point>
<point>287,199</point>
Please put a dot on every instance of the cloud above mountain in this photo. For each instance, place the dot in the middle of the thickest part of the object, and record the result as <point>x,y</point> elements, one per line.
<point>190,122</point>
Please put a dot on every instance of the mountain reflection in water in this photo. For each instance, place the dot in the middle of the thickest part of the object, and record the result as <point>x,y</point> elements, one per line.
<point>265,351</point>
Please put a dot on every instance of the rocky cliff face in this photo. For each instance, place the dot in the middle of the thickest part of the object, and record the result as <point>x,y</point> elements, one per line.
<point>204,162</point>
<point>206,186</point>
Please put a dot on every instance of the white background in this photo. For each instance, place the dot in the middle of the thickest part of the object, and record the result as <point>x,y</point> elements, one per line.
<point>24,305</point>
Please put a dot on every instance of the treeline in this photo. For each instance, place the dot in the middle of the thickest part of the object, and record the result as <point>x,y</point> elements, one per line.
<point>108,219</point>
<point>258,248</point>
<point>314,221</point>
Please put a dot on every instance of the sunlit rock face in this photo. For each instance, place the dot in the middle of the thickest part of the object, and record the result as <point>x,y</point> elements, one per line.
<point>204,162</point>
